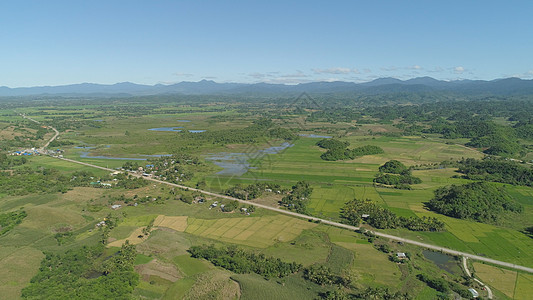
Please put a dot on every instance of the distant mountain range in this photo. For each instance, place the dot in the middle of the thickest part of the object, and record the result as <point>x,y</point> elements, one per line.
<point>506,86</point>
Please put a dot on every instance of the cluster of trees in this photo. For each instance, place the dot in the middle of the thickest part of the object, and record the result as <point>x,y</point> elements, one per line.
<point>298,197</point>
<point>230,206</point>
<point>27,180</point>
<point>466,119</point>
<point>524,128</point>
<point>258,131</point>
<point>58,143</point>
<point>63,237</point>
<point>529,231</point>
<point>480,201</point>
<point>495,139</point>
<point>110,221</point>
<point>381,293</point>
<point>332,144</point>
<point>177,167</point>
<point>396,174</point>
<point>398,181</point>
<point>130,182</point>
<point>9,220</point>
<point>366,150</point>
<point>498,170</point>
<point>85,274</point>
<point>241,261</point>
<point>444,286</point>
<point>63,123</point>
<point>323,275</point>
<point>252,191</point>
<point>393,167</point>
<point>334,115</point>
<point>9,161</point>
<point>337,150</point>
<point>383,218</point>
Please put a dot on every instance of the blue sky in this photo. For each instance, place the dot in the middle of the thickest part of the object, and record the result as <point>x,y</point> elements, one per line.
<point>150,42</point>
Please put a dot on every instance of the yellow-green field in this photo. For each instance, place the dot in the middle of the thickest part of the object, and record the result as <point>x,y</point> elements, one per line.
<point>251,231</point>
<point>513,284</point>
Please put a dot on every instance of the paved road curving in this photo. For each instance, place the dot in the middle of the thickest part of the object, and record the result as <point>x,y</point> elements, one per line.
<point>332,223</point>
<point>55,130</point>
<point>465,267</point>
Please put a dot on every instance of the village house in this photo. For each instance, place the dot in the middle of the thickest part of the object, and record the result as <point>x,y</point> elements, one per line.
<point>474,293</point>
<point>401,255</point>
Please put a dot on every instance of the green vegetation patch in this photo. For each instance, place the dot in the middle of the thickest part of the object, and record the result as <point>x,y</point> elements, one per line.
<point>9,220</point>
<point>243,262</point>
<point>85,274</point>
<point>355,211</point>
<point>189,266</point>
<point>479,201</point>
<point>255,287</point>
<point>142,259</point>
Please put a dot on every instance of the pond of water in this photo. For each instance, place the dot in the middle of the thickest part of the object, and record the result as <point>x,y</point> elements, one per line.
<point>166,129</point>
<point>236,164</point>
<point>443,261</point>
<point>86,155</point>
<point>315,136</point>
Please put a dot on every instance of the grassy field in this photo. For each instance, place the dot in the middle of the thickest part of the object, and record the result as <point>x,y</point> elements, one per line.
<point>169,272</point>
<point>255,287</point>
<point>335,183</point>
<point>512,284</point>
<point>252,231</point>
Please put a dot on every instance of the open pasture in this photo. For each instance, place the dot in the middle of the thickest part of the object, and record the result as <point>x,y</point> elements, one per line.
<point>310,247</point>
<point>258,232</point>
<point>501,279</point>
<point>176,223</point>
<point>369,262</point>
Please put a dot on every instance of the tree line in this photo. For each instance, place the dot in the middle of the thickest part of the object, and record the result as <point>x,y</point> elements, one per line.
<point>497,170</point>
<point>337,150</point>
<point>382,218</point>
<point>242,262</point>
<point>298,197</point>
<point>479,201</point>
<point>396,174</point>
<point>9,220</point>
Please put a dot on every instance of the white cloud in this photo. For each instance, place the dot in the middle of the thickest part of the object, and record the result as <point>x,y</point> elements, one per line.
<point>459,70</point>
<point>416,67</point>
<point>337,70</point>
<point>525,75</point>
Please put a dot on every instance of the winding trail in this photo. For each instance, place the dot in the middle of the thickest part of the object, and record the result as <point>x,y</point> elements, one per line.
<point>328,222</point>
<point>465,267</point>
<point>50,127</point>
<point>53,138</point>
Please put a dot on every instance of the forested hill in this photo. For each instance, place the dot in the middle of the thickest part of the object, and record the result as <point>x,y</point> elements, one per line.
<point>501,87</point>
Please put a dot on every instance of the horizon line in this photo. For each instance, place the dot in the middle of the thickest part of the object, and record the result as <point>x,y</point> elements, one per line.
<point>263,82</point>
